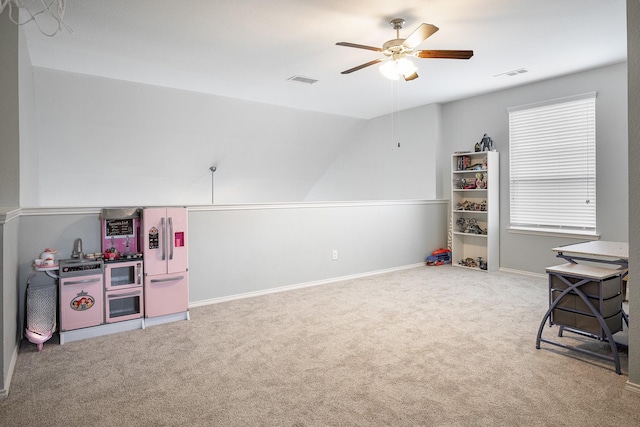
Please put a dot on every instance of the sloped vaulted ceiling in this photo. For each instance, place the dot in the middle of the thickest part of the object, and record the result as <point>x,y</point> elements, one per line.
<point>248,49</point>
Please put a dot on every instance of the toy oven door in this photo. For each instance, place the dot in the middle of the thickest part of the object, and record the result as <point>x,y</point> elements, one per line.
<point>124,304</point>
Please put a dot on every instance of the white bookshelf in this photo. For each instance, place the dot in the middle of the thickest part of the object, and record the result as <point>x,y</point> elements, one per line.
<point>475,212</point>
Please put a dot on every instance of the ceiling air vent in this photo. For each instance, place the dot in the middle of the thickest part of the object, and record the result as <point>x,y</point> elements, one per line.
<point>301,79</point>
<point>513,73</point>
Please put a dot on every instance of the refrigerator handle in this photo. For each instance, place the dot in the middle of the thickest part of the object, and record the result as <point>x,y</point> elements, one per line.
<point>139,273</point>
<point>164,239</point>
<point>171,238</point>
<point>168,279</point>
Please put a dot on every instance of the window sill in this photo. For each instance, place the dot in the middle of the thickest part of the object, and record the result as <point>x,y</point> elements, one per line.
<point>582,235</point>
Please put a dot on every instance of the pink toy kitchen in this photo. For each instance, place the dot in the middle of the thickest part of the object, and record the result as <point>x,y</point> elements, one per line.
<point>139,278</point>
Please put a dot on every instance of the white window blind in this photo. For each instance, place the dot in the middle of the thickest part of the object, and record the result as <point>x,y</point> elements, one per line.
<point>552,164</point>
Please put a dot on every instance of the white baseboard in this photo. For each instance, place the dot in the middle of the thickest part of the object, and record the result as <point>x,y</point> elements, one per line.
<point>4,392</point>
<point>298,286</point>
<point>524,273</point>
<point>632,387</point>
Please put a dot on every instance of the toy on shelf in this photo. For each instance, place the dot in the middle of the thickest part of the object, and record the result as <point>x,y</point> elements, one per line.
<point>471,206</point>
<point>440,256</point>
<point>481,181</point>
<point>464,164</point>
<point>470,226</point>
<point>468,262</point>
<point>485,144</point>
<point>474,263</point>
<point>47,259</point>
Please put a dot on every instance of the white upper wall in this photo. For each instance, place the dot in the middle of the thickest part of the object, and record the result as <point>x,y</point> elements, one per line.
<point>29,170</point>
<point>392,158</point>
<point>105,142</point>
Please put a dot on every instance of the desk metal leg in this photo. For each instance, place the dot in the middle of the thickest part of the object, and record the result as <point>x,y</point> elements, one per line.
<point>574,287</point>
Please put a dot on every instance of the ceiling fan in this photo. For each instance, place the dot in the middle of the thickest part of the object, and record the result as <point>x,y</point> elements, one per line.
<point>397,50</point>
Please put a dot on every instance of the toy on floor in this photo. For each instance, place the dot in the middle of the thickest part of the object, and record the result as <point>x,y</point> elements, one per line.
<point>439,257</point>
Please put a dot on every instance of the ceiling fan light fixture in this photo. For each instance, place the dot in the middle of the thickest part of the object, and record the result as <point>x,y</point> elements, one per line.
<point>390,70</point>
<point>393,69</point>
<point>405,67</point>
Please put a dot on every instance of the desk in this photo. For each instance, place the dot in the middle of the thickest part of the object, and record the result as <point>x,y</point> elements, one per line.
<point>616,253</point>
<point>587,299</point>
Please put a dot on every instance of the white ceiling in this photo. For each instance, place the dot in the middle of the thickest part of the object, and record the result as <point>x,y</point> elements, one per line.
<point>248,49</point>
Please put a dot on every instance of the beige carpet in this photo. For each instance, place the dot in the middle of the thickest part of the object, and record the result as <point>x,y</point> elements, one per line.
<point>430,346</point>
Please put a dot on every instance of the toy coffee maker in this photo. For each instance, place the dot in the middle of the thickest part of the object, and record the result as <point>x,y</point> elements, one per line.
<point>120,232</point>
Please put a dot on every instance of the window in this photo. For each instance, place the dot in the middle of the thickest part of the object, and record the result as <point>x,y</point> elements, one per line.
<point>552,165</point>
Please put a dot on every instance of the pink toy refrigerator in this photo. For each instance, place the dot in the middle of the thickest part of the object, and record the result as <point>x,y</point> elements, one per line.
<point>165,254</point>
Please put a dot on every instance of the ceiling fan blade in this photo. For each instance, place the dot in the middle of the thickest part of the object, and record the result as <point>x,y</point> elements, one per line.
<point>360,67</point>
<point>447,54</point>
<point>419,35</point>
<point>410,77</point>
<point>359,46</point>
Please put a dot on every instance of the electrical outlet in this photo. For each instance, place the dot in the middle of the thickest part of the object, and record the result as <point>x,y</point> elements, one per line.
<point>335,254</point>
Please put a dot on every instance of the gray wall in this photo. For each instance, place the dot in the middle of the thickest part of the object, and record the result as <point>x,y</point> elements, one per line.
<point>465,121</point>
<point>9,195</point>
<point>633,47</point>
<point>9,127</point>
<point>9,289</point>
<point>239,250</point>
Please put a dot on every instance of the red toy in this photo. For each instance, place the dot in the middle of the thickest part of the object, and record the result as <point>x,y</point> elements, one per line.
<point>440,256</point>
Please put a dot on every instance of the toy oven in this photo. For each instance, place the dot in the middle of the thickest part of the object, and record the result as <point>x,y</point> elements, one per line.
<point>124,304</point>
